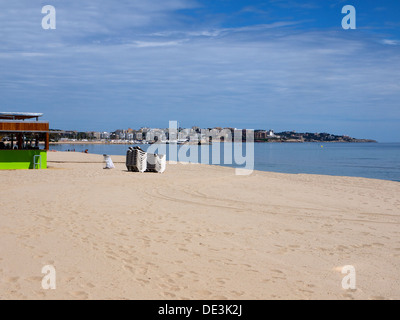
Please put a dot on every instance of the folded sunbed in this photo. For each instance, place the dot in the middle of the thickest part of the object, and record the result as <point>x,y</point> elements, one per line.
<point>136,160</point>
<point>156,163</point>
<point>139,161</point>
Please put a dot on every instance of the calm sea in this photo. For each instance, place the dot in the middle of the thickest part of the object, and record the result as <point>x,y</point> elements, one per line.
<point>369,160</point>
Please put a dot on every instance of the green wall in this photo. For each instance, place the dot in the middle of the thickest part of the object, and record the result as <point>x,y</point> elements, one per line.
<point>20,159</point>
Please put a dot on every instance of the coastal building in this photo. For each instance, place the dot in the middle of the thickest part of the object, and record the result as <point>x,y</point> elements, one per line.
<point>69,135</point>
<point>196,129</point>
<point>20,137</point>
<point>260,135</point>
<point>270,133</point>
<point>96,135</point>
<point>105,135</point>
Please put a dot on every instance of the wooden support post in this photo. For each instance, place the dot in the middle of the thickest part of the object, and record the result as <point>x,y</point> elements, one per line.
<point>20,141</point>
<point>47,143</point>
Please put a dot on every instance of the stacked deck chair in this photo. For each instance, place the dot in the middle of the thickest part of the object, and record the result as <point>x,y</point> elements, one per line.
<point>136,160</point>
<point>156,163</point>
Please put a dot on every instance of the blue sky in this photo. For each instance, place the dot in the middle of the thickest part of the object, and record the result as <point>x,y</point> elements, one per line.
<point>283,65</point>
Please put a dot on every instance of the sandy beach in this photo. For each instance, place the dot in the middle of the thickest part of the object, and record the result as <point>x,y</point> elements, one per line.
<point>195,232</point>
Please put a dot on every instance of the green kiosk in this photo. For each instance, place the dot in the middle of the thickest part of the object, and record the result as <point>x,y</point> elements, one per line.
<point>20,137</point>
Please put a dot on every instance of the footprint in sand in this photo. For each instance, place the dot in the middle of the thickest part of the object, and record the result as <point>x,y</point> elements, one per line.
<point>379,245</point>
<point>205,293</point>
<point>13,279</point>
<point>79,295</point>
<point>277,271</point>
<point>178,275</point>
<point>169,295</point>
<point>143,281</point>
<point>219,298</point>
<point>35,279</point>
<point>221,281</point>
<point>377,298</point>
<point>39,293</point>
<point>348,296</point>
<point>238,294</point>
<point>306,291</point>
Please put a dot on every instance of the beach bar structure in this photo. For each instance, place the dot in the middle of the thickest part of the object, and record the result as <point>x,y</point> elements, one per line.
<point>21,138</point>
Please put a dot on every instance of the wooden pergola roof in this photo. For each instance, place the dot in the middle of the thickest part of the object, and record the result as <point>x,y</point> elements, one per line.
<point>19,116</point>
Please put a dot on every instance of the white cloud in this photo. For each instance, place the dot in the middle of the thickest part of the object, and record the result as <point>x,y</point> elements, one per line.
<point>216,32</point>
<point>147,44</point>
<point>391,42</point>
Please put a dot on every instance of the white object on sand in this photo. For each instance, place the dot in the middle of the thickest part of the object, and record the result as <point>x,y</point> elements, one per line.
<point>109,162</point>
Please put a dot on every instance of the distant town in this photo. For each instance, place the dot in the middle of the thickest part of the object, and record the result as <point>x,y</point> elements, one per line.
<point>195,135</point>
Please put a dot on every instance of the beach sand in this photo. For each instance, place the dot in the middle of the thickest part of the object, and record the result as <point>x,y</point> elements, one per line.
<point>195,232</point>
